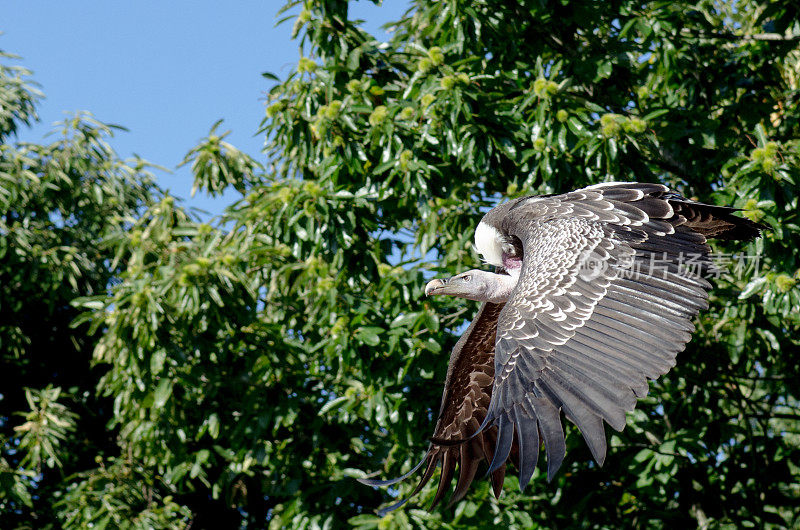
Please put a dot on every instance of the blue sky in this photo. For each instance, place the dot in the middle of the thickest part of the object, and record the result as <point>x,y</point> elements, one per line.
<point>164,70</point>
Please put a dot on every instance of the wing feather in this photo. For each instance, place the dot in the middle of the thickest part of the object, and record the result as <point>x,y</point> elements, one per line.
<point>546,414</point>
<point>528,439</point>
<point>468,468</point>
<point>505,437</point>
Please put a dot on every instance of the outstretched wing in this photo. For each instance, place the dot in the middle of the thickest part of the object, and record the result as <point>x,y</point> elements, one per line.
<point>603,303</point>
<point>467,392</point>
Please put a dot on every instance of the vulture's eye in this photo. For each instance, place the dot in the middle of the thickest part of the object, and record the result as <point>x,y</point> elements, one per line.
<point>467,278</point>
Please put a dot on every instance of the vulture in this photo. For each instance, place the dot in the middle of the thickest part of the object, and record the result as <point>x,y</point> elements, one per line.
<point>593,292</point>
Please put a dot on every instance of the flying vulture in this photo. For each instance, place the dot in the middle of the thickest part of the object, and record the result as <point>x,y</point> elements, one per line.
<point>593,293</point>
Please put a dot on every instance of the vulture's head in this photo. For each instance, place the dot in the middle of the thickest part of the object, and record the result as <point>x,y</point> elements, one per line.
<point>475,284</point>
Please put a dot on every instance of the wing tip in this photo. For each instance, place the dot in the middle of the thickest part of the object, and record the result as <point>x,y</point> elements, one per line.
<point>553,465</point>
<point>383,512</point>
<point>377,483</point>
<point>505,439</point>
<point>498,477</point>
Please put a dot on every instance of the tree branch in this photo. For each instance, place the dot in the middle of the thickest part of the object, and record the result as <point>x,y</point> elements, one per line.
<point>771,416</point>
<point>712,35</point>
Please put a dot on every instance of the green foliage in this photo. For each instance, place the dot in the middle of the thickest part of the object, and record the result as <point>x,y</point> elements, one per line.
<point>46,426</point>
<point>17,97</point>
<point>217,164</point>
<point>58,202</point>
<point>249,370</point>
<point>118,496</point>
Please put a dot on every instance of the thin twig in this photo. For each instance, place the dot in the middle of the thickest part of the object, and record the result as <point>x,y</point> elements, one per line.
<point>768,37</point>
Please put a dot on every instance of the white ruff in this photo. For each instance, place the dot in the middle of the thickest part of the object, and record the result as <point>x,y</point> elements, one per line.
<point>488,242</point>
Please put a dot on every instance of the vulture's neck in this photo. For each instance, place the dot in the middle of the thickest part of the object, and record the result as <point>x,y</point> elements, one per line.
<point>499,287</point>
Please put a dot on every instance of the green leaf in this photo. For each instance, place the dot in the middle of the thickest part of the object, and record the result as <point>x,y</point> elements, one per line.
<point>157,361</point>
<point>754,286</point>
<point>93,303</point>
<point>369,335</point>
<point>162,392</point>
<point>604,69</point>
<point>332,404</point>
<point>213,425</point>
<point>655,114</point>
<point>761,135</point>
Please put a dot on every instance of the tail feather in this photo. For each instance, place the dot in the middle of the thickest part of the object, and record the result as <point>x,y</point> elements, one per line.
<point>716,221</point>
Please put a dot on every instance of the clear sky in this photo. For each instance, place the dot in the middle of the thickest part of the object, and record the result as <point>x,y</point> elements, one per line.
<point>165,70</point>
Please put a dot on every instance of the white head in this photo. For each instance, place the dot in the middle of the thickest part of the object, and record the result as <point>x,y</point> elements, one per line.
<point>489,244</point>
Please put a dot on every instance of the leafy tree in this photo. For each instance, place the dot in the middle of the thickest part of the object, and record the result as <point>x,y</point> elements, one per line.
<point>58,202</point>
<point>249,369</point>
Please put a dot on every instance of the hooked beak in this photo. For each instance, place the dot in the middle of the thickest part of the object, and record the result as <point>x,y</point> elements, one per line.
<point>437,284</point>
<point>459,285</point>
<point>470,285</point>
